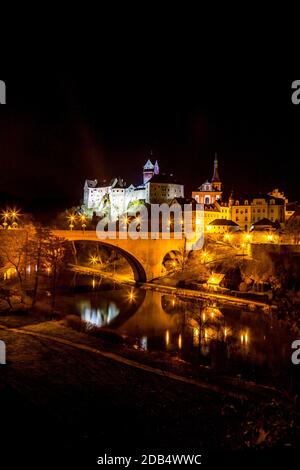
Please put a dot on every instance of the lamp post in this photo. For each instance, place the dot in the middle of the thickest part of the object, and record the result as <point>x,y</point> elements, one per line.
<point>5,217</point>
<point>83,222</point>
<point>72,221</point>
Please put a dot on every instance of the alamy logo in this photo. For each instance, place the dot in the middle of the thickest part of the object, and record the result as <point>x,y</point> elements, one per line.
<point>296,93</point>
<point>2,353</point>
<point>2,92</point>
<point>158,221</point>
<point>296,354</point>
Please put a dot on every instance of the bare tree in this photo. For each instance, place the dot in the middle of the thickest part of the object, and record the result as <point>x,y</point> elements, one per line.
<point>13,252</point>
<point>38,252</point>
<point>55,249</point>
<point>292,230</point>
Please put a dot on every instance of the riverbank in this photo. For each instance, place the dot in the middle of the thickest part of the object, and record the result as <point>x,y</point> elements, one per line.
<point>159,286</point>
<point>87,402</point>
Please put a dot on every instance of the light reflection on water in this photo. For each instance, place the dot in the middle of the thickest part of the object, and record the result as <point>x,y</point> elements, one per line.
<point>99,316</point>
<point>232,338</point>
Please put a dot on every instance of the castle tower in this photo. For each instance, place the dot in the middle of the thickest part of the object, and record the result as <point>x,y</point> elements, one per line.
<point>148,171</point>
<point>156,168</point>
<point>216,181</point>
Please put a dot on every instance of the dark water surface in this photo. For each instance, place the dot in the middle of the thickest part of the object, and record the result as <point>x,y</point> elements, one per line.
<point>232,340</point>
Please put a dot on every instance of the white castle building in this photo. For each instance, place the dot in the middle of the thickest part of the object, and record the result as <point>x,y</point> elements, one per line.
<point>115,199</point>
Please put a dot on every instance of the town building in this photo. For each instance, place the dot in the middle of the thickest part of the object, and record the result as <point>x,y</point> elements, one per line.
<point>248,211</point>
<point>210,192</point>
<point>162,189</point>
<point>222,226</point>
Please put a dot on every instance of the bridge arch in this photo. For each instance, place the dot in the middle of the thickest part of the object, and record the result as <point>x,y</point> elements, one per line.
<point>145,255</point>
<point>138,270</point>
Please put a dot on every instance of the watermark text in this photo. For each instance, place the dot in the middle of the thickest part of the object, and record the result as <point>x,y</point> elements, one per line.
<point>2,353</point>
<point>296,92</point>
<point>2,92</point>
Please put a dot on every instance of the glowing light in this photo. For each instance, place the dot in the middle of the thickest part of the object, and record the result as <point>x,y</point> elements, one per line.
<point>227,237</point>
<point>212,315</point>
<point>131,295</point>
<point>144,343</point>
<point>10,213</point>
<point>174,264</point>
<point>196,336</point>
<point>246,338</point>
<point>93,260</point>
<point>208,228</point>
<point>204,317</point>
<point>270,237</point>
<point>10,272</point>
<point>167,338</point>
<point>179,341</point>
<point>225,333</point>
<point>173,302</point>
<point>248,237</point>
<point>71,219</point>
<point>93,283</point>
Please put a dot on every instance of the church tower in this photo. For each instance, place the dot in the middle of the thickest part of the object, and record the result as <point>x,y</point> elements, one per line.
<point>216,181</point>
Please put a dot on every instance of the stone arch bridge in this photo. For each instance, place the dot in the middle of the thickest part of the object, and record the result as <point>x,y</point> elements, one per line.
<point>145,256</point>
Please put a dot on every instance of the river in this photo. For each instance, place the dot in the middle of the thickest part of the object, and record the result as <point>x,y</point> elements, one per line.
<point>232,340</point>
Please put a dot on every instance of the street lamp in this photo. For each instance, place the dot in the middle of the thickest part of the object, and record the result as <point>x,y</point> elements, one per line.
<point>72,221</point>
<point>83,222</point>
<point>5,216</point>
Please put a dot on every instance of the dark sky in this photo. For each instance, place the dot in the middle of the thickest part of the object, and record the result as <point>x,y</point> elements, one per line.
<point>60,127</point>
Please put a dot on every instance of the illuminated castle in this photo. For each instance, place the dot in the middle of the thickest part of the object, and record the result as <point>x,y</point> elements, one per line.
<point>115,198</point>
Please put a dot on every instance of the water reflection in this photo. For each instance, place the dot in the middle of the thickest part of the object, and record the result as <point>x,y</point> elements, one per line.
<point>99,316</point>
<point>230,339</point>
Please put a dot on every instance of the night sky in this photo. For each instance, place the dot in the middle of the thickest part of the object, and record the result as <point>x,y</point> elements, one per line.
<point>59,128</point>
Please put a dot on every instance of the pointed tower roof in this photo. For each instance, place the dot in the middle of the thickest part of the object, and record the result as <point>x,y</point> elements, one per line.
<point>216,177</point>
<point>156,168</point>
<point>149,165</point>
